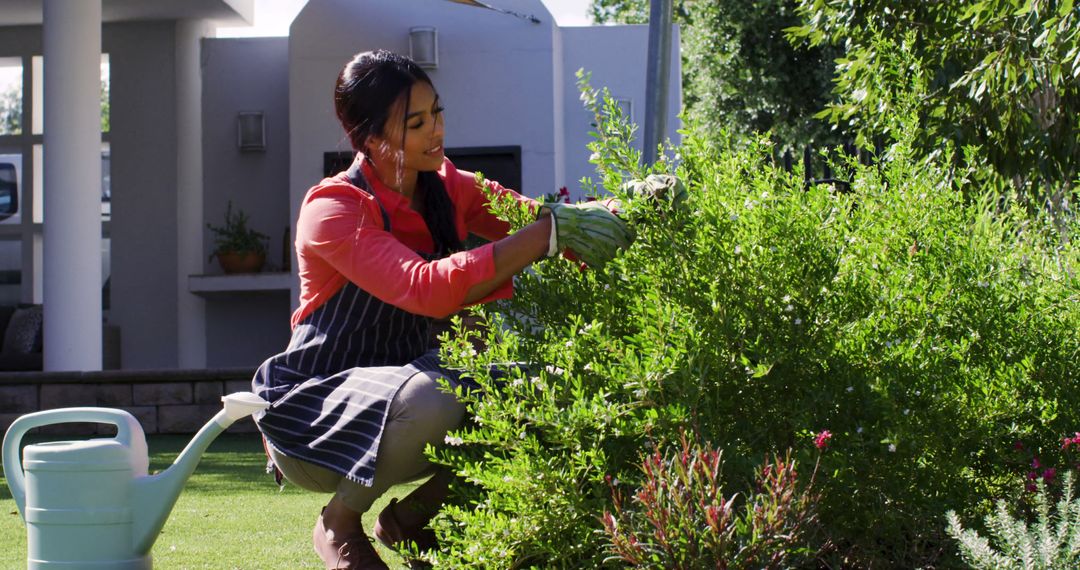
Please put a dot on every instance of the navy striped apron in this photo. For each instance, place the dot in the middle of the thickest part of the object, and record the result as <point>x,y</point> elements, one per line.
<point>331,389</point>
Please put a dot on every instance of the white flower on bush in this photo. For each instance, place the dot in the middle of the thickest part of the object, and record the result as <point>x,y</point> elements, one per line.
<point>594,157</point>
<point>734,217</point>
<point>453,440</point>
<point>858,429</point>
<point>798,321</point>
<point>518,382</point>
<point>892,448</point>
<point>738,250</point>
<point>749,204</point>
<point>554,370</point>
<point>789,308</point>
<point>850,389</point>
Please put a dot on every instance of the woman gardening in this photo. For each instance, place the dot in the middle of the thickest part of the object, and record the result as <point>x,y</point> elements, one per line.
<point>355,395</point>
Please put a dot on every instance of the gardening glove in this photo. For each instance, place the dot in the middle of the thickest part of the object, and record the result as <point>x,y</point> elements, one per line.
<point>657,189</point>
<point>590,230</point>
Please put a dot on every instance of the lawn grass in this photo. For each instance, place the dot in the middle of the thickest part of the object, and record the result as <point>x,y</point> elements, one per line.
<point>230,515</point>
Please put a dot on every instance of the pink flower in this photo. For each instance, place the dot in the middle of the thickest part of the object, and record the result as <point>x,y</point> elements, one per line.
<point>822,439</point>
<point>564,194</point>
<point>1031,487</point>
<point>1035,463</point>
<point>1032,475</point>
<point>1049,474</point>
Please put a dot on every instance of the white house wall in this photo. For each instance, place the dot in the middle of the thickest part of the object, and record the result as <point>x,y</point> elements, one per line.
<point>248,74</point>
<point>617,57</point>
<point>144,232</point>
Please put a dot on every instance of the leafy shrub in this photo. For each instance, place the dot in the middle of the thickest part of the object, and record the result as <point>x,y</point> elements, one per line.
<point>1051,543</point>
<point>925,332</point>
<point>681,519</point>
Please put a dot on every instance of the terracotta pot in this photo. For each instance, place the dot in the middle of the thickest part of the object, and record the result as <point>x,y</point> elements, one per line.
<point>241,262</point>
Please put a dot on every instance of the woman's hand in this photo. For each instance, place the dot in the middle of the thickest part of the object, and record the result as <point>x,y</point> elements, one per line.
<point>590,230</point>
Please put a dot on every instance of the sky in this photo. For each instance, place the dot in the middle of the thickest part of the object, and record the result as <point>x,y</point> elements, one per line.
<point>272,17</point>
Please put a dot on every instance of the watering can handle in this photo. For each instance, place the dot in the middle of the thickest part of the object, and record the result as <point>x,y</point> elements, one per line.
<point>128,432</point>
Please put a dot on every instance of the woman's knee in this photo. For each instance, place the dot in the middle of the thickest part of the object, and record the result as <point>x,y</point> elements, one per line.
<point>424,404</point>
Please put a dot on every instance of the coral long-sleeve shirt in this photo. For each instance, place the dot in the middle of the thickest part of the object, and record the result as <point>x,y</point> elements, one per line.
<point>340,237</point>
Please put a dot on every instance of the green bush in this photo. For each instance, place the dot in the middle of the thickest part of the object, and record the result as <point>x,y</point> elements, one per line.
<point>927,333</point>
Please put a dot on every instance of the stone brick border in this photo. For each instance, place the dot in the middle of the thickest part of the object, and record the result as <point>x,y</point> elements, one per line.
<point>164,401</point>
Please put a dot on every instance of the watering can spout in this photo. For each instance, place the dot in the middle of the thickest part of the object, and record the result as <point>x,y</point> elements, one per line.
<point>155,495</point>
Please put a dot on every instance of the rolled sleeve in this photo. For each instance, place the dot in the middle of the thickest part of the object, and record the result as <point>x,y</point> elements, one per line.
<point>376,261</point>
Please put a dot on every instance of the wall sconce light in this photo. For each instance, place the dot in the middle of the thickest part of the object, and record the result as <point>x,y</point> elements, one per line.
<point>250,131</point>
<point>424,46</point>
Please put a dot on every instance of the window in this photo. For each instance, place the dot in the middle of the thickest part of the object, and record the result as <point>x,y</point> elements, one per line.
<point>11,95</point>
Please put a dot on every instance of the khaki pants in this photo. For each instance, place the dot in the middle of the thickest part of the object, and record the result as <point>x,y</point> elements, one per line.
<point>420,414</point>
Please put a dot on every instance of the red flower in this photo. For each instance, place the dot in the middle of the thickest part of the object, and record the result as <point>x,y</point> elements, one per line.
<point>1019,445</point>
<point>1049,474</point>
<point>822,439</point>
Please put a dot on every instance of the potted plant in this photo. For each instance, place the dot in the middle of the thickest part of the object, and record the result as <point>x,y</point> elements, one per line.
<point>238,248</point>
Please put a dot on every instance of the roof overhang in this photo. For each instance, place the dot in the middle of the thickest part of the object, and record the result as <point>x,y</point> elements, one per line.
<point>228,12</point>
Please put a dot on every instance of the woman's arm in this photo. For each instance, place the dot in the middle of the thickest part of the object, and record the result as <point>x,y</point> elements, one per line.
<point>513,254</point>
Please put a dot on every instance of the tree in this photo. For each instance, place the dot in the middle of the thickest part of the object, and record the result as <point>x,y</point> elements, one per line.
<point>998,75</point>
<point>740,72</point>
<point>11,110</point>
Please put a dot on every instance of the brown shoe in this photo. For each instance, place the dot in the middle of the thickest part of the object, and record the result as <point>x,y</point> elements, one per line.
<point>353,552</point>
<point>392,533</point>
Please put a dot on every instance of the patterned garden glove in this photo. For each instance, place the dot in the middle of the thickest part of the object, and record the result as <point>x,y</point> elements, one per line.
<point>590,230</point>
<point>658,188</point>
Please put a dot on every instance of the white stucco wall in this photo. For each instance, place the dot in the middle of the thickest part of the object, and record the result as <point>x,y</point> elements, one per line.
<point>617,58</point>
<point>144,235</point>
<point>248,74</point>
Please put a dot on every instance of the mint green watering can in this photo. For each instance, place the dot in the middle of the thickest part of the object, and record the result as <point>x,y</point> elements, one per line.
<point>90,504</point>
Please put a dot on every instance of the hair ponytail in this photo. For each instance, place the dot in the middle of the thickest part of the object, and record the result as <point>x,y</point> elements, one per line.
<point>439,214</point>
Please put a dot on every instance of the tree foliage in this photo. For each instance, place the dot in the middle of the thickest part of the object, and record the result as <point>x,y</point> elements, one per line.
<point>740,73</point>
<point>11,110</point>
<point>999,75</point>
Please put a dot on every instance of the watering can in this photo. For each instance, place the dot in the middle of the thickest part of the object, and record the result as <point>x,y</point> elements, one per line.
<point>91,504</point>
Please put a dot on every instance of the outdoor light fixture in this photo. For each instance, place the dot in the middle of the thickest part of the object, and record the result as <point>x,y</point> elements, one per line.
<point>424,46</point>
<point>250,131</point>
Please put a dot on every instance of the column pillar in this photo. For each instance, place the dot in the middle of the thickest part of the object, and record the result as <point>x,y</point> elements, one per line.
<point>191,309</point>
<point>72,185</point>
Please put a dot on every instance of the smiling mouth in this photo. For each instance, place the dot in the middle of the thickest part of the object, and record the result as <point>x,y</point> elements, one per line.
<point>434,150</point>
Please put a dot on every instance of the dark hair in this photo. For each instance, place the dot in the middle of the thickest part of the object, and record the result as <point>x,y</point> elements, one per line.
<point>367,90</point>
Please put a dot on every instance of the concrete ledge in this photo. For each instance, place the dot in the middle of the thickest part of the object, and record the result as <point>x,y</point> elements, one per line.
<point>164,401</point>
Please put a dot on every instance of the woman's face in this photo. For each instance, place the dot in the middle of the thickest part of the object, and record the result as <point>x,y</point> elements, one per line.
<point>423,133</point>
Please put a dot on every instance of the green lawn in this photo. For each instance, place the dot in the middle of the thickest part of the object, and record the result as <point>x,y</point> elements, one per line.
<point>230,516</point>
